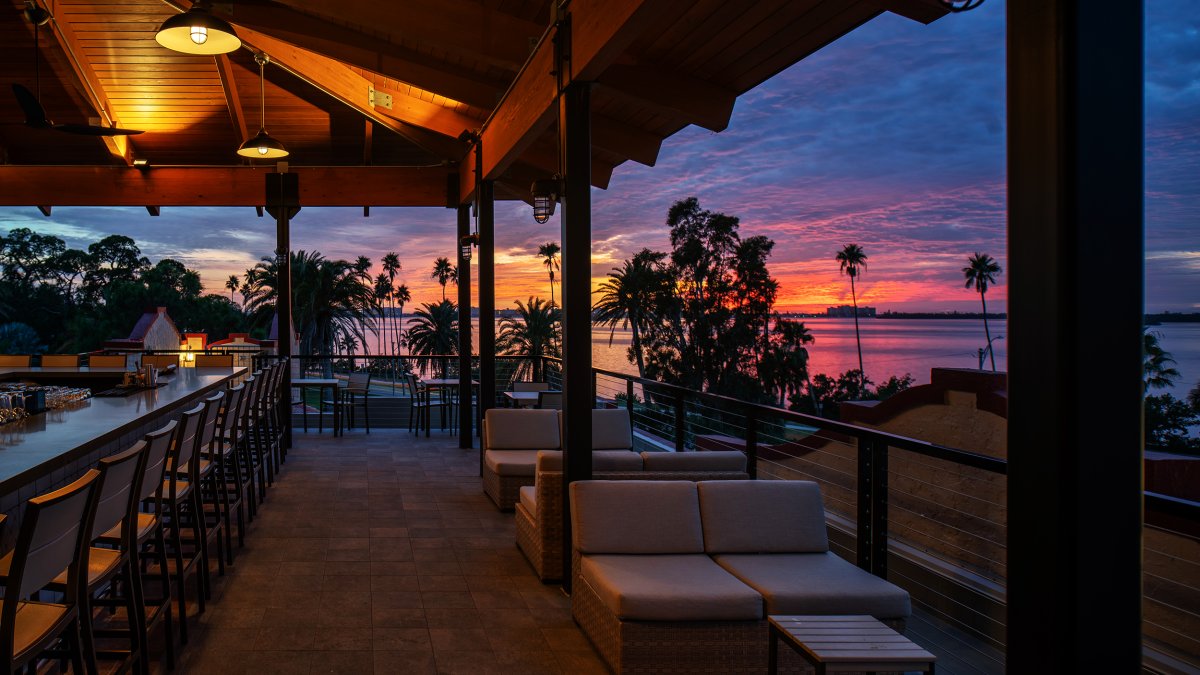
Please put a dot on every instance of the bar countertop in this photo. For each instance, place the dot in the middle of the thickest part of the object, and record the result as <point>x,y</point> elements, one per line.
<point>45,441</point>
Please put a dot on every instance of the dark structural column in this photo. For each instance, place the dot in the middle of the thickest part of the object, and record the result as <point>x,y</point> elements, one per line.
<point>487,295</point>
<point>465,436</point>
<point>575,138</point>
<point>283,202</point>
<point>1075,336</point>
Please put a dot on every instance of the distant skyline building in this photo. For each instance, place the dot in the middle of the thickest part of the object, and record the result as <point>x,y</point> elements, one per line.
<point>847,312</point>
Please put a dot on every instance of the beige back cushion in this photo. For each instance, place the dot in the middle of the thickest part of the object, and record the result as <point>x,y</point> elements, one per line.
<point>521,429</point>
<point>636,516</point>
<point>762,516</point>
<point>611,430</point>
<point>602,460</point>
<point>717,460</point>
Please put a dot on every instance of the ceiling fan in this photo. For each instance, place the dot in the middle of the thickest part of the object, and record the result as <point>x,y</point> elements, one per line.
<point>35,114</point>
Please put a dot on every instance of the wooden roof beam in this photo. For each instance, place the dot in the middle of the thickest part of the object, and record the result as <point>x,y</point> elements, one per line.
<point>467,28</point>
<point>602,30</point>
<point>232,100</point>
<point>88,84</point>
<point>365,51</point>
<point>683,96</point>
<point>409,116</point>
<point>218,186</point>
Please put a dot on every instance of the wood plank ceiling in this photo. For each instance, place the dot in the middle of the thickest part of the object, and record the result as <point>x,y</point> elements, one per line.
<point>445,63</point>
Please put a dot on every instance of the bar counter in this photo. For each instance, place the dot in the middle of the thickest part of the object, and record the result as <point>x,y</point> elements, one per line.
<point>44,450</point>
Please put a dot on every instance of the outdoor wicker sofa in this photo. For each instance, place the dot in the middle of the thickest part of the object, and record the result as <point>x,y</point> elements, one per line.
<point>675,576</point>
<point>512,438</point>
<point>539,511</point>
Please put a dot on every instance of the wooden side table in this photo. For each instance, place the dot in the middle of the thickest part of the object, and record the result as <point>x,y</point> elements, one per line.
<point>834,644</point>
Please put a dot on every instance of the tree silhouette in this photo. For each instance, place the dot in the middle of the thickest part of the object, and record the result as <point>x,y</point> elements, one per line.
<point>548,252</point>
<point>532,333</point>
<point>981,270</point>
<point>443,272</point>
<point>233,283</point>
<point>852,260</point>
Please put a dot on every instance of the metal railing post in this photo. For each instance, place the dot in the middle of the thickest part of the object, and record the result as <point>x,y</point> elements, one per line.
<point>872,506</point>
<point>752,444</point>
<point>680,421</point>
<point>629,395</point>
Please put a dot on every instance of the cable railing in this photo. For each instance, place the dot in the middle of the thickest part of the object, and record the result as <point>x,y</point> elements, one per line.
<point>930,518</point>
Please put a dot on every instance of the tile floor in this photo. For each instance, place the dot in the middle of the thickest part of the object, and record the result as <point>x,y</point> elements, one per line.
<point>381,554</point>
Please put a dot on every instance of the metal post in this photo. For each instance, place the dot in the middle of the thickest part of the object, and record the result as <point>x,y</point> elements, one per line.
<point>752,443</point>
<point>629,395</point>
<point>466,439</point>
<point>487,294</point>
<point>576,142</point>
<point>283,202</point>
<point>1075,161</point>
<point>872,506</point>
<point>680,422</point>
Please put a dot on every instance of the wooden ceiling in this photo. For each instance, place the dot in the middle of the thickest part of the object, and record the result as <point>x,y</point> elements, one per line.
<point>660,65</point>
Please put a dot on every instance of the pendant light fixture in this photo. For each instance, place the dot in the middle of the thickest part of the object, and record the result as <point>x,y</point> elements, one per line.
<point>262,146</point>
<point>197,31</point>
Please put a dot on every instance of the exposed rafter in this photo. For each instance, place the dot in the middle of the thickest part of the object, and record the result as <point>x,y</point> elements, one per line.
<point>89,86</point>
<point>229,85</point>
<point>462,27</point>
<point>320,36</point>
<point>683,96</point>
<point>601,32</point>
<point>410,117</point>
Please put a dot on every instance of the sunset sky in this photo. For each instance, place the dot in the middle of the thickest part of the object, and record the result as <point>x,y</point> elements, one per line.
<point>892,138</point>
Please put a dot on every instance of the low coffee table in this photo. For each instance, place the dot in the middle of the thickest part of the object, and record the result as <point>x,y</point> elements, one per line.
<point>846,643</point>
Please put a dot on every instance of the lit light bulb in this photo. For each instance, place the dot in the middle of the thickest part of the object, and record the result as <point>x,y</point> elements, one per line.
<point>262,149</point>
<point>199,34</point>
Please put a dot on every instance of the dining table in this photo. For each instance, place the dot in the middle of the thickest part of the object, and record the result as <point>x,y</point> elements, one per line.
<point>321,384</point>
<point>433,383</point>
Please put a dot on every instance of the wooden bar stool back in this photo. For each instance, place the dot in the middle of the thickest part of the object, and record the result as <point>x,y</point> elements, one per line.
<point>181,508</point>
<point>60,360</point>
<point>214,360</point>
<point>107,361</point>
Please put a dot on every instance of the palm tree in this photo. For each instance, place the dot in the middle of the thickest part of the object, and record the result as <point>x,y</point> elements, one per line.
<point>532,333</point>
<point>852,260</point>
<point>628,297</point>
<point>391,265</point>
<point>549,254</point>
<point>233,283</point>
<point>980,271</point>
<point>1158,371</point>
<point>329,300</point>
<point>402,296</point>
<point>443,271</point>
<point>434,331</point>
<point>382,291</point>
<point>785,364</point>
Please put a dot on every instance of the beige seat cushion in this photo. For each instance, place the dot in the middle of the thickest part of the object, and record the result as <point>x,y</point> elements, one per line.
<point>762,516</point>
<point>521,429</point>
<point>34,621</point>
<point>529,499</point>
<point>611,430</point>
<point>718,460</point>
<point>636,516</point>
<point>602,460</point>
<point>816,583</point>
<point>511,462</point>
<point>669,588</point>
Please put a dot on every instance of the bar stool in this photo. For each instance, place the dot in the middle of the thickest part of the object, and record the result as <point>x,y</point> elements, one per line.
<point>117,490</point>
<point>144,538</point>
<point>204,475</point>
<point>53,537</point>
<point>223,452</point>
<point>60,360</point>
<point>180,498</point>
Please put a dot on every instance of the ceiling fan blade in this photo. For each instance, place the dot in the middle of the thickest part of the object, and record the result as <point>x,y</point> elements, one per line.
<point>35,114</point>
<point>93,130</point>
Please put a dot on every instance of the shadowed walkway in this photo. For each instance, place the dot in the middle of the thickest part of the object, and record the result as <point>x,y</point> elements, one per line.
<point>381,554</point>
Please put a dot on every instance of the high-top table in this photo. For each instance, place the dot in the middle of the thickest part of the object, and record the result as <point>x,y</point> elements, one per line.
<point>47,450</point>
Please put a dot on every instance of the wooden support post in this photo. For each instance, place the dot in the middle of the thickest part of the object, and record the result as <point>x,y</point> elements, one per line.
<point>575,132</point>
<point>1075,162</point>
<point>283,202</point>
<point>465,417</point>
<point>487,296</point>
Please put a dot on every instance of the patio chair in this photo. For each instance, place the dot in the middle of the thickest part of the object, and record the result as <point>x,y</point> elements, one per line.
<point>53,537</point>
<point>60,360</point>
<point>552,400</point>
<point>354,395</point>
<point>214,360</point>
<point>531,386</point>
<point>160,360</point>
